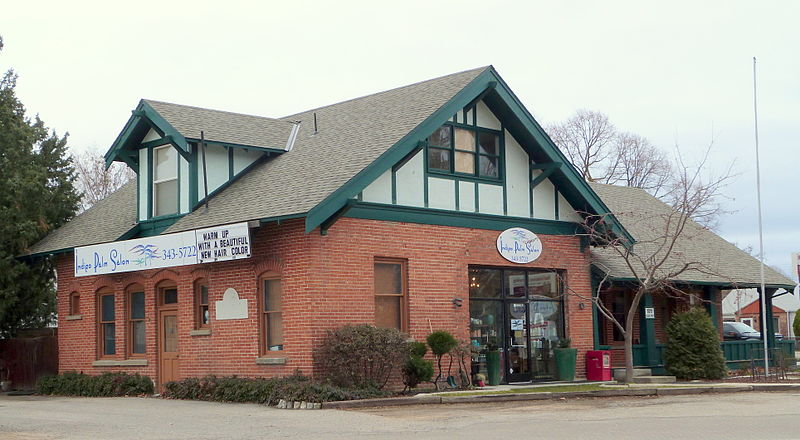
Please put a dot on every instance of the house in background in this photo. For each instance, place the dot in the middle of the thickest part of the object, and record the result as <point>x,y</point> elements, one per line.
<point>742,305</point>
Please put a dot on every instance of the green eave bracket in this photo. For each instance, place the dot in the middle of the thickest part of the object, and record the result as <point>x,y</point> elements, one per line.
<point>547,170</point>
<point>125,147</point>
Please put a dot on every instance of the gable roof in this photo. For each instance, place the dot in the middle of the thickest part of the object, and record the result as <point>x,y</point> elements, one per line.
<point>224,127</point>
<point>350,136</point>
<point>645,216</point>
<point>357,140</point>
<point>755,308</point>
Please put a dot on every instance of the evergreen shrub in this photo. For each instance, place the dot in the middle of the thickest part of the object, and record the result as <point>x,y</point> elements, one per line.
<point>268,391</point>
<point>693,348</point>
<point>104,385</point>
<point>441,343</point>
<point>416,369</point>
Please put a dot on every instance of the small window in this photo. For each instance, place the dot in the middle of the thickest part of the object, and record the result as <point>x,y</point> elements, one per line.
<point>107,323</point>
<point>136,322</point>
<point>165,181</point>
<point>390,294</point>
<point>74,303</point>
<point>271,314</point>
<point>465,152</point>
<point>619,310</point>
<point>169,295</point>
<point>201,301</point>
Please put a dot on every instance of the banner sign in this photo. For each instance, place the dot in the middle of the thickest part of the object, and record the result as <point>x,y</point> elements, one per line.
<point>519,245</point>
<point>219,243</point>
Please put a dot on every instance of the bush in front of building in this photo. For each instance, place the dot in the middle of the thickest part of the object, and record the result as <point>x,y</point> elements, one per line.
<point>104,385</point>
<point>361,356</point>
<point>693,348</point>
<point>796,325</point>
<point>266,391</point>
<point>441,343</point>
<point>416,369</point>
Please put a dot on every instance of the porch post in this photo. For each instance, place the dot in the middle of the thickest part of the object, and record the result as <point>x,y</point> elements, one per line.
<point>647,331</point>
<point>770,327</point>
<point>595,314</point>
<point>713,304</point>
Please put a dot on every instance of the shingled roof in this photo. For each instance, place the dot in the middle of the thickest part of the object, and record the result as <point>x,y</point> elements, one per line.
<point>108,220</point>
<point>350,136</point>
<point>225,127</point>
<point>646,217</point>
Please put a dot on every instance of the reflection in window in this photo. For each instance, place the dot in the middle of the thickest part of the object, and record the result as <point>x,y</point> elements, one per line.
<point>165,181</point>
<point>464,151</point>
<point>272,315</point>
<point>390,293</point>
<point>136,325</point>
<point>107,323</point>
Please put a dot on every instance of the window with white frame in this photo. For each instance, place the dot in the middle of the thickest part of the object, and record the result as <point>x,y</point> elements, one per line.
<point>165,181</point>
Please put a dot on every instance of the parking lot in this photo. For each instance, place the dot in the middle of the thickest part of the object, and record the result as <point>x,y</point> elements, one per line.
<point>725,416</point>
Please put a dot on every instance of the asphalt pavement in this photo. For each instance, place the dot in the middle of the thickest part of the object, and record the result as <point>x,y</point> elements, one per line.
<point>774,415</point>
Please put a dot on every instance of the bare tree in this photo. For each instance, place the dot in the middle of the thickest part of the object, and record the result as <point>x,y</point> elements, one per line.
<point>587,138</point>
<point>94,181</point>
<point>657,258</point>
<point>640,164</point>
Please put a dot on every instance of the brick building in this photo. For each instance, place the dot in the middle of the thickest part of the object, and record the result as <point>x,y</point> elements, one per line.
<point>439,205</point>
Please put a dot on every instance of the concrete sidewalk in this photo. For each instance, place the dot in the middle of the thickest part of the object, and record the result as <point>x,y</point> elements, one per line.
<point>505,393</point>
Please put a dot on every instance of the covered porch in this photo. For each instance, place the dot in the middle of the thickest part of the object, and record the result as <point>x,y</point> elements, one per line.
<point>649,339</point>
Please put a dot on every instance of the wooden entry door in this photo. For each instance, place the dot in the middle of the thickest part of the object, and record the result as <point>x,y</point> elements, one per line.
<point>169,358</point>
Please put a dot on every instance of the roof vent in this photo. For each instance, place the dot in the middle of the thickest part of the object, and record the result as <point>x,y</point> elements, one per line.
<point>292,135</point>
<point>315,123</point>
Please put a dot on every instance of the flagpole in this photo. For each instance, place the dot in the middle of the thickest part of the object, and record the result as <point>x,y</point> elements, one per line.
<point>764,323</point>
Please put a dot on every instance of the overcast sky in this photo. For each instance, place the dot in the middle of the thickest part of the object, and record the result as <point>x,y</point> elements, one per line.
<point>678,73</point>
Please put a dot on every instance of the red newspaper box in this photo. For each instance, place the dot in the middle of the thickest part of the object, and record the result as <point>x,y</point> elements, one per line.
<point>598,365</point>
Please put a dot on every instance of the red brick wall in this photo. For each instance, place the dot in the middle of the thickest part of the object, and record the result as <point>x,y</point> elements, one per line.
<point>327,282</point>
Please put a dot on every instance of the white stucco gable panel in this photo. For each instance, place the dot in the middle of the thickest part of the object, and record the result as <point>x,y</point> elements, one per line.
<point>231,307</point>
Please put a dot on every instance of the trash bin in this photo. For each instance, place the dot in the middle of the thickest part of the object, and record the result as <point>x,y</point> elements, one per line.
<point>598,365</point>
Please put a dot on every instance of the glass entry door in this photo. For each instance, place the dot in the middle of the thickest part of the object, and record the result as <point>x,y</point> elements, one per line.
<point>518,360</point>
<point>519,315</point>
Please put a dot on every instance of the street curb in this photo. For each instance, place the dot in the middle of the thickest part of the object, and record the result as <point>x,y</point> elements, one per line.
<point>520,397</point>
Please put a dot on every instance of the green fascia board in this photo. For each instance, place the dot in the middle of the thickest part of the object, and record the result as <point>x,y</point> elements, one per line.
<point>246,147</point>
<point>728,285</point>
<point>441,217</point>
<point>155,226</point>
<point>491,86</point>
<point>337,199</point>
<point>128,139</point>
<point>521,124</point>
<point>178,140</point>
<point>280,218</point>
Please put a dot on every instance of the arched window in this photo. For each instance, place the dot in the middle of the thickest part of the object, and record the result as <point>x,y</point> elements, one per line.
<point>136,321</point>
<point>271,312</point>
<point>106,322</point>
<point>201,302</point>
<point>74,303</point>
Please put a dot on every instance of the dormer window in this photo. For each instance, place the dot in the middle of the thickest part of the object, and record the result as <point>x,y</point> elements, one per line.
<point>465,152</point>
<point>165,181</point>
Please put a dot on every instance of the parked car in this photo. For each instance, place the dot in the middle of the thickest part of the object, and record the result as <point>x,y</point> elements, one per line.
<point>739,331</point>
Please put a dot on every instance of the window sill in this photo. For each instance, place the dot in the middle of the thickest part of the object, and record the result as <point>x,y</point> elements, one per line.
<point>271,361</point>
<point>200,332</point>
<point>120,363</point>
<point>73,318</point>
